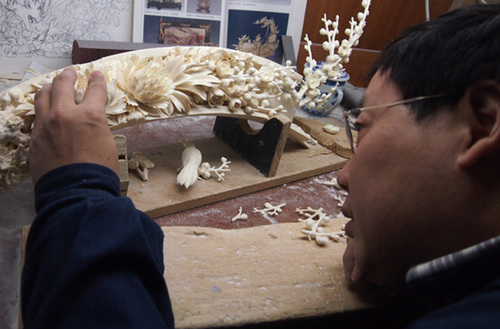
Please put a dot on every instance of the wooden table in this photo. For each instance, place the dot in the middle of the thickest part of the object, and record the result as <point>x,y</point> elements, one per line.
<point>222,273</point>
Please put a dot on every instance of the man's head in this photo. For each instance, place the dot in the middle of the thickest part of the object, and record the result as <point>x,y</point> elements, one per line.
<point>424,180</point>
<point>445,56</point>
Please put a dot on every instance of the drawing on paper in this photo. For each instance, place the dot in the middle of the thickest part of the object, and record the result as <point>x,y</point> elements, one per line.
<point>47,28</point>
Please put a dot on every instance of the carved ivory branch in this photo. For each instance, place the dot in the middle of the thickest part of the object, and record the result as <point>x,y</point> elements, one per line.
<point>156,84</point>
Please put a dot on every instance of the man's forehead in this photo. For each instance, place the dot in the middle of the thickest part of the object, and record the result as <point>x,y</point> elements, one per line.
<point>381,90</point>
<point>363,100</point>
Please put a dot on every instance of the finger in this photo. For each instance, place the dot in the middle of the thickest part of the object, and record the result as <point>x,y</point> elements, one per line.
<point>96,94</point>
<point>42,102</point>
<point>63,89</point>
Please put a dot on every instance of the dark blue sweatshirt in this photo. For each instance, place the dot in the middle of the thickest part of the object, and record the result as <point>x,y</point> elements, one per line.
<point>92,259</point>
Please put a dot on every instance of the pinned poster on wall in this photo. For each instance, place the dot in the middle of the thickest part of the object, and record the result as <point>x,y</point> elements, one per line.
<point>43,31</point>
<point>254,26</point>
<point>180,22</point>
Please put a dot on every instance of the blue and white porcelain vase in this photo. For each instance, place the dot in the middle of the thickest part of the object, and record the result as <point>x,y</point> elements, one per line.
<point>325,88</point>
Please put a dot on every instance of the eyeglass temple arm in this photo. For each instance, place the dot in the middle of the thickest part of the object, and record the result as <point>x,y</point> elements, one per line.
<point>358,110</point>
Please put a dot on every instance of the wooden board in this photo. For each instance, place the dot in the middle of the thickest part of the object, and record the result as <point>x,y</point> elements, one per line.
<point>220,278</point>
<point>161,195</point>
<point>338,143</point>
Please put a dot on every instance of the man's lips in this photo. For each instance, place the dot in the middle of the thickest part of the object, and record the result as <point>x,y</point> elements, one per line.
<point>346,210</point>
<point>349,229</point>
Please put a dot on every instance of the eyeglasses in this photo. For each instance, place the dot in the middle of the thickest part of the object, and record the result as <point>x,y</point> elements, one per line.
<point>356,111</point>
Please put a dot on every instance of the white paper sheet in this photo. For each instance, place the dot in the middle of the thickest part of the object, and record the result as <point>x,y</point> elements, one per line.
<point>44,30</point>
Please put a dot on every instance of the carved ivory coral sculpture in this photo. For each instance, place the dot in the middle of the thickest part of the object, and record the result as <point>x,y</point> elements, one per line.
<point>338,54</point>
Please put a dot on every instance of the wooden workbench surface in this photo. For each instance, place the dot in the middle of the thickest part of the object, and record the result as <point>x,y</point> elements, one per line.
<point>219,278</point>
<point>244,185</point>
<point>222,273</point>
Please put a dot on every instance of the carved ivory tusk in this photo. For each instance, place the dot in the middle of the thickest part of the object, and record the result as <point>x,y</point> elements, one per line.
<point>156,84</point>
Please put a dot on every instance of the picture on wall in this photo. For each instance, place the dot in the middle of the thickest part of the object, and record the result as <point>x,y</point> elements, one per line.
<point>206,7</point>
<point>257,32</point>
<point>160,4</point>
<point>187,34</point>
<point>181,31</point>
<point>249,25</point>
<point>180,22</point>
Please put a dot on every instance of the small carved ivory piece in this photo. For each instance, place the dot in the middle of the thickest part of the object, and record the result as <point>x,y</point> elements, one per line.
<point>333,182</point>
<point>191,160</point>
<point>240,215</point>
<point>331,129</point>
<point>340,198</point>
<point>205,171</point>
<point>140,164</point>
<point>270,209</point>
<point>314,220</point>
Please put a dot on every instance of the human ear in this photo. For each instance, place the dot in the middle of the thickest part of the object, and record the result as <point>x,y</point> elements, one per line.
<point>482,102</point>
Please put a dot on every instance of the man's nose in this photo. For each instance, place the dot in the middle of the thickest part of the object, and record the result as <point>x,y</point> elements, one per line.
<point>343,177</point>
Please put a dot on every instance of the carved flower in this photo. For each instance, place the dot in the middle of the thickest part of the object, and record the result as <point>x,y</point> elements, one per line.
<point>146,81</point>
<point>159,83</point>
<point>12,177</point>
<point>5,158</point>
<point>14,122</point>
<point>10,129</point>
<point>224,69</point>
<point>116,101</point>
<point>266,74</point>
<point>313,81</point>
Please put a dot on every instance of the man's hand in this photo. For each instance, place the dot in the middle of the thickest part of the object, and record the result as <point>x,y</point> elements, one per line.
<point>65,132</point>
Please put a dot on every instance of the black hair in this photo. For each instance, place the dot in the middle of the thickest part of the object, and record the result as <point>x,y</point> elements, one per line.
<point>444,56</point>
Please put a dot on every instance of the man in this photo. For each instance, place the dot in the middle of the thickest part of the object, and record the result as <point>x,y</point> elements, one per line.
<point>92,259</point>
<point>424,182</point>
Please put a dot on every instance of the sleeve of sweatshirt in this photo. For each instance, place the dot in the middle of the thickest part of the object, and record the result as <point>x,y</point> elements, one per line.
<point>92,259</point>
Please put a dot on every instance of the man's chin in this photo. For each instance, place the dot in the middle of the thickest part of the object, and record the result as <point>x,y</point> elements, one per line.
<point>376,292</point>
